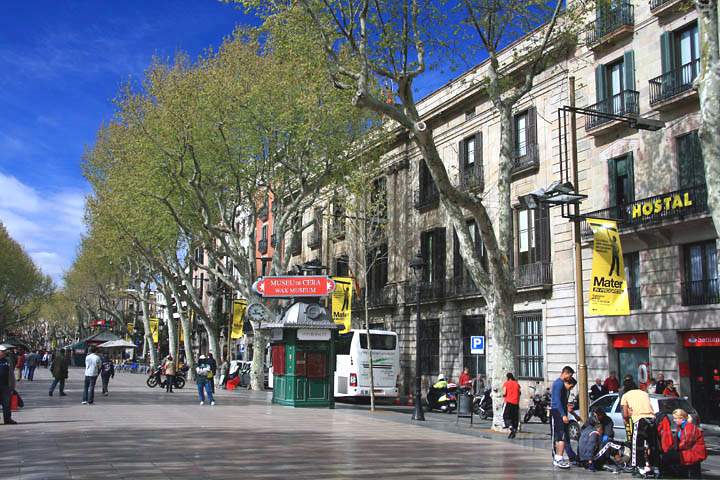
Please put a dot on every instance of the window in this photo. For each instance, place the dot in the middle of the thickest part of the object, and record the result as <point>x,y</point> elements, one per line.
<point>342,268</point>
<point>430,347</point>
<point>691,167</point>
<point>264,234</point>
<point>687,45</point>
<point>616,78</point>
<point>613,82</point>
<point>432,249</point>
<point>632,275</point>
<point>278,359</point>
<point>701,285</point>
<point>533,240</point>
<point>473,326</point>
<point>621,181</point>
<point>378,341</point>
<point>460,273</point>
<point>338,226</point>
<point>528,332</point>
<point>521,135</point>
<point>470,161</point>
<point>377,262</point>
<point>378,198</point>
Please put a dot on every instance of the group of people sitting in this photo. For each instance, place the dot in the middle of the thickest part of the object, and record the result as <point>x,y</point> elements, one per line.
<point>659,444</point>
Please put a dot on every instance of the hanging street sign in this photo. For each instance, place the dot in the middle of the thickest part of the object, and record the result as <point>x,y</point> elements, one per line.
<point>294,286</point>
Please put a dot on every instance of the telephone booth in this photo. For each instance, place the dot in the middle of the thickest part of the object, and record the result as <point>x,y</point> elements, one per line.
<point>303,357</point>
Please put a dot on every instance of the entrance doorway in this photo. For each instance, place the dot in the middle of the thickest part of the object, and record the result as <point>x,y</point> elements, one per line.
<point>633,353</point>
<point>704,360</point>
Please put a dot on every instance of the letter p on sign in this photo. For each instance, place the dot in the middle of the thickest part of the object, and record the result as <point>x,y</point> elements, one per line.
<point>477,345</point>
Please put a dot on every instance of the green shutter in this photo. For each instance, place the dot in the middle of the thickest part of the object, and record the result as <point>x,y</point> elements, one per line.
<point>629,67</point>
<point>612,179</point>
<point>630,185</point>
<point>667,56</point>
<point>461,155</point>
<point>479,171</point>
<point>600,86</point>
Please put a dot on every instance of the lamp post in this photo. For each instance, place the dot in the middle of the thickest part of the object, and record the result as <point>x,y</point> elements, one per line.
<point>417,264</point>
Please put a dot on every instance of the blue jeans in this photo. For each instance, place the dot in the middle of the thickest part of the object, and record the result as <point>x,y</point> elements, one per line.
<point>89,389</point>
<point>204,388</point>
<point>55,383</point>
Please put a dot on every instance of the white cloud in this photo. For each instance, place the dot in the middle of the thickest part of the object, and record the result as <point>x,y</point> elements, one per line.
<point>48,225</point>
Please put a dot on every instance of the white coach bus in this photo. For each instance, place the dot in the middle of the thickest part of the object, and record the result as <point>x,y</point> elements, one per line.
<point>352,364</point>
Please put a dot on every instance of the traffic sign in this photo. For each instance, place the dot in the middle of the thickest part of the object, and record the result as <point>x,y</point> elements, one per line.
<point>294,286</point>
<point>477,345</point>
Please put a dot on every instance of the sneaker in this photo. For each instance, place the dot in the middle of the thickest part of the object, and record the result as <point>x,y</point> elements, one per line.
<point>63,394</point>
<point>212,403</point>
<point>84,402</point>
<point>202,403</point>
<point>49,394</point>
<point>561,463</point>
<point>11,422</point>
<point>105,394</point>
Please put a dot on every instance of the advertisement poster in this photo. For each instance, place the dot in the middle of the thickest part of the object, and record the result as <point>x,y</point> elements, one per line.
<point>342,301</point>
<point>239,308</point>
<point>608,286</point>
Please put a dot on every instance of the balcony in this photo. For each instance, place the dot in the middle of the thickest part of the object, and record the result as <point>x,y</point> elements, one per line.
<point>429,292</point>
<point>263,246</point>
<point>624,103</point>
<point>471,177</point>
<point>674,85</point>
<point>533,276</point>
<point>643,213</point>
<point>462,286</point>
<point>337,231</point>
<point>427,198</point>
<point>663,8</point>
<point>377,297</point>
<point>611,24</point>
<point>527,162</point>
<point>700,292</point>
<point>634,298</point>
<point>315,239</point>
<point>263,213</point>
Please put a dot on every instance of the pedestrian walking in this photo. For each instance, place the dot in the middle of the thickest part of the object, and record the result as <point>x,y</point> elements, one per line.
<point>170,371</point>
<point>7,385</point>
<point>19,366</point>
<point>107,371</point>
<point>92,370</point>
<point>559,417</point>
<point>637,407</point>
<point>213,368</point>
<point>59,370</point>
<point>511,412</point>
<point>33,361</point>
<point>203,382</point>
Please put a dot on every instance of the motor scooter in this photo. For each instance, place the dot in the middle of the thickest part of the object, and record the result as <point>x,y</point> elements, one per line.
<point>483,404</point>
<point>538,406</point>
<point>443,399</point>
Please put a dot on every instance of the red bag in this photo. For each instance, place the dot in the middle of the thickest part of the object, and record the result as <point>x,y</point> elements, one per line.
<point>15,402</point>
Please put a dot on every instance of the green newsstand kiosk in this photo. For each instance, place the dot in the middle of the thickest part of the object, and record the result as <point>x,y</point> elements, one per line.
<point>303,356</point>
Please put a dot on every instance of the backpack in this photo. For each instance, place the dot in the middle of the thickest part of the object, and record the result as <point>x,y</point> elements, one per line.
<point>666,438</point>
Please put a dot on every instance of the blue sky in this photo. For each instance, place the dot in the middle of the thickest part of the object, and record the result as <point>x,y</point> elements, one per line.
<point>61,64</point>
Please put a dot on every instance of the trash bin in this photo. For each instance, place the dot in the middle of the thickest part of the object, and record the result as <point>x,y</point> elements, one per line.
<point>465,406</point>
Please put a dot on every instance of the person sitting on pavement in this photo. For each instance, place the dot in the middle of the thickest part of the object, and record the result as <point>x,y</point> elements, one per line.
<point>7,385</point>
<point>609,448</point>
<point>670,390</point>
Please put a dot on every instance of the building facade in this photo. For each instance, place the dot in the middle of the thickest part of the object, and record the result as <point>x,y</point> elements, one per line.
<point>635,59</point>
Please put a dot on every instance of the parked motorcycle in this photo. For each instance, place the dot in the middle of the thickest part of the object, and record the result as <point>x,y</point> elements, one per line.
<point>156,378</point>
<point>538,406</point>
<point>483,405</point>
<point>443,399</point>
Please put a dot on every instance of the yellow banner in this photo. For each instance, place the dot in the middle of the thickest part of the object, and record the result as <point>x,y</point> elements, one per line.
<point>154,330</point>
<point>239,307</point>
<point>342,301</point>
<point>608,287</point>
<point>181,333</point>
<point>131,328</point>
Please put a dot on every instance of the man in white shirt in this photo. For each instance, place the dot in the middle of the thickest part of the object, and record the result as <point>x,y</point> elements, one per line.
<point>92,370</point>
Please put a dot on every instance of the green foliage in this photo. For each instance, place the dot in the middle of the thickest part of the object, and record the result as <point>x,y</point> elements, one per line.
<point>23,287</point>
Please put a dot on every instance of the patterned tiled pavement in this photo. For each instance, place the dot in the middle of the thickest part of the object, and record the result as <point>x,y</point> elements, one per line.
<point>139,433</point>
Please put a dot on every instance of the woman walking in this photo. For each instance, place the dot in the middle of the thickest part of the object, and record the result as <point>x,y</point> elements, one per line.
<point>170,370</point>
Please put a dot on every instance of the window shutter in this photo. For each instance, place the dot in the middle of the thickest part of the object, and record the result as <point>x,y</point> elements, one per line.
<point>685,162</point>
<point>479,171</point>
<point>462,162</point>
<point>612,179</point>
<point>531,127</point>
<point>629,67</point>
<point>630,186</point>
<point>439,253</point>
<point>542,234</point>
<point>600,86</point>
<point>667,56</point>
<point>457,259</point>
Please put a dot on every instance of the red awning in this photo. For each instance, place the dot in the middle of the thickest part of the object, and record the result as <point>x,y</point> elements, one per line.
<point>630,340</point>
<point>701,339</point>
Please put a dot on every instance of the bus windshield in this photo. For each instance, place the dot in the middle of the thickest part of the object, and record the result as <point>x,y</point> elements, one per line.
<point>378,341</point>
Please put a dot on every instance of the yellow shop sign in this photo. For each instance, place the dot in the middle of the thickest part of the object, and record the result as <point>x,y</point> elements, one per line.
<point>662,204</point>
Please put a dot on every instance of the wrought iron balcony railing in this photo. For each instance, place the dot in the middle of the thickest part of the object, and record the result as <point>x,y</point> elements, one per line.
<point>377,297</point>
<point>626,102</point>
<point>429,291</point>
<point>263,213</point>
<point>652,210</point>
<point>701,292</point>
<point>427,197</point>
<point>461,286</point>
<point>608,21</point>
<point>528,161</point>
<point>673,82</point>
<point>538,274</point>
<point>296,245</point>
<point>471,177</point>
<point>263,246</point>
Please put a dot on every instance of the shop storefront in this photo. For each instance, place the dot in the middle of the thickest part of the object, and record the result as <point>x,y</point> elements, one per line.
<point>633,355</point>
<point>703,368</point>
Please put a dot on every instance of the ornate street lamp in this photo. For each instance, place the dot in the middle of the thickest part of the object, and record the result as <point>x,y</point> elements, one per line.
<point>417,264</point>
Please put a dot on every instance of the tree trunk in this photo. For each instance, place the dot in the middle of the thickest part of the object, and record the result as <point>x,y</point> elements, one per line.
<point>148,333</point>
<point>187,342</point>
<point>172,336</point>
<point>709,92</point>
<point>370,355</point>
<point>500,354</point>
<point>257,369</point>
<point>213,342</point>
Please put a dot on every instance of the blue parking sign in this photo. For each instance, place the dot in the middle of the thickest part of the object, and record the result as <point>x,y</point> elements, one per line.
<point>477,345</point>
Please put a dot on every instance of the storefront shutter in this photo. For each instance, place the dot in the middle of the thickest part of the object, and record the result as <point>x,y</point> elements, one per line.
<point>629,66</point>
<point>600,86</point>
